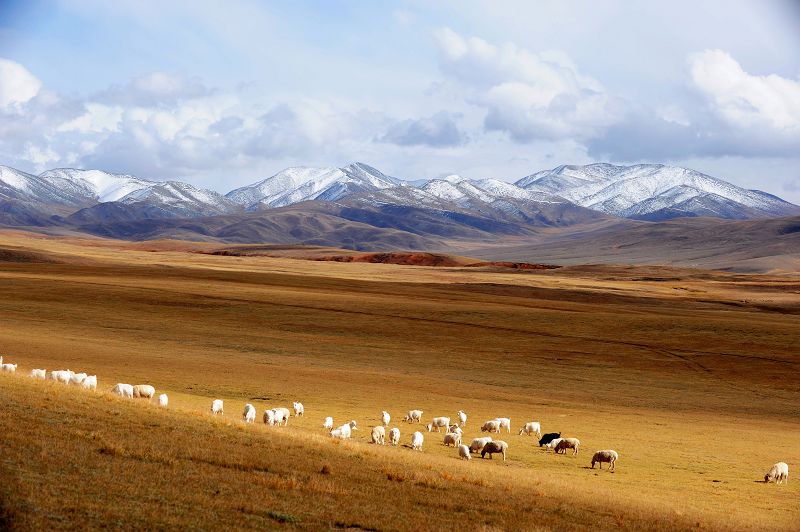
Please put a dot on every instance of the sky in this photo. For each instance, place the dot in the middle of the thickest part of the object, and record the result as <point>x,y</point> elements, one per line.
<point>223,94</point>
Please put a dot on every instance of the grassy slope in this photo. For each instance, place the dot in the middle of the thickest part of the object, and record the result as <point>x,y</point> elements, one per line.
<point>689,387</point>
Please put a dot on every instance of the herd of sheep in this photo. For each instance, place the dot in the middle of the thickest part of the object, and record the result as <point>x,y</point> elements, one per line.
<point>279,416</point>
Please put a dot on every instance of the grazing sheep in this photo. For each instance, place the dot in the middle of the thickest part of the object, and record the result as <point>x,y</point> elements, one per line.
<point>123,390</point>
<point>249,414</point>
<point>163,400</point>
<point>568,443</point>
<point>38,373</point>
<point>328,423</point>
<point>779,473</point>
<point>437,423</point>
<point>216,407</point>
<point>462,417</point>
<point>269,417</point>
<point>505,423</point>
<point>493,447</point>
<point>413,415</point>
<point>478,444</point>
<point>378,435</point>
<point>416,441</point>
<point>455,429</point>
<point>394,436</point>
<point>281,416</point>
<point>547,438</point>
<point>608,456</point>
<point>145,391</point>
<point>549,446</point>
<point>9,368</point>
<point>345,431</point>
<point>78,379</point>
<point>463,452</point>
<point>491,426</point>
<point>385,418</point>
<point>453,439</point>
<point>299,409</point>
<point>532,427</point>
<point>89,383</point>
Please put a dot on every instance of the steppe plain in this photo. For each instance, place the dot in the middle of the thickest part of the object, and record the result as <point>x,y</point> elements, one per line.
<point>693,376</point>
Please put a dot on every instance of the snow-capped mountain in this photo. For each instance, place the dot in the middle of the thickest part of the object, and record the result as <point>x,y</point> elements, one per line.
<point>297,184</point>
<point>654,192</point>
<point>561,196</point>
<point>170,198</point>
<point>95,184</point>
<point>21,186</point>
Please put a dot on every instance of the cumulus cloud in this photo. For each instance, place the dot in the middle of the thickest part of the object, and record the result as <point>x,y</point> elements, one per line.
<point>732,113</point>
<point>743,99</point>
<point>154,89</point>
<point>17,84</point>
<point>438,130</point>
<point>525,94</point>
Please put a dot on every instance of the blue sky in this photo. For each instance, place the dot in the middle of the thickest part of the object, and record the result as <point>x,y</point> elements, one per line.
<point>225,93</point>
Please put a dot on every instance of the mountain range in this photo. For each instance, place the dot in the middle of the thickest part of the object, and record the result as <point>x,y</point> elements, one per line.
<point>643,192</point>
<point>359,207</point>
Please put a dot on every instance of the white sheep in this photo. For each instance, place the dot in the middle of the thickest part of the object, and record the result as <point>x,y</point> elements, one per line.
<point>345,431</point>
<point>463,452</point>
<point>328,423</point>
<point>281,416</point>
<point>492,425</point>
<point>549,446</point>
<point>532,427</point>
<point>378,435</point>
<point>38,373</point>
<point>462,417</point>
<point>9,368</point>
<point>494,447</point>
<point>416,441</point>
<point>163,400</point>
<point>437,423</point>
<point>385,418</point>
<point>413,415</point>
<point>269,417</point>
<point>249,413</point>
<point>64,376</point>
<point>505,423</point>
<point>779,473</point>
<point>568,443</point>
<point>123,390</point>
<point>608,456</point>
<point>89,383</point>
<point>145,391</point>
<point>78,379</point>
<point>478,444</point>
<point>216,407</point>
<point>299,409</point>
<point>452,439</point>
<point>455,429</point>
<point>394,436</point>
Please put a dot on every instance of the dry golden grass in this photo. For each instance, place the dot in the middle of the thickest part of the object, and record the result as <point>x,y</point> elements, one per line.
<point>692,377</point>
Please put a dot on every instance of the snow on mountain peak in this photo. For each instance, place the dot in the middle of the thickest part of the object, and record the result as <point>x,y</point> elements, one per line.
<point>644,190</point>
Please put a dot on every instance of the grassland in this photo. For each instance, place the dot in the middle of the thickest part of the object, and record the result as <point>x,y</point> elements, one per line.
<point>693,377</point>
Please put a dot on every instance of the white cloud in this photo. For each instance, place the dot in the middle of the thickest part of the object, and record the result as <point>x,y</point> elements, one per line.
<point>96,119</point>
<point>528,95</point>
<point>743,99</point>
<point>17,84</point>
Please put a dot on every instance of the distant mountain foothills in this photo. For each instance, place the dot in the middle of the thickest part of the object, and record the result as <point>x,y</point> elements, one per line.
<point>360,207</point>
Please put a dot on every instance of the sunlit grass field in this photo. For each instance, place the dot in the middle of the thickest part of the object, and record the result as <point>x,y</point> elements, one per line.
<point>691,376</point>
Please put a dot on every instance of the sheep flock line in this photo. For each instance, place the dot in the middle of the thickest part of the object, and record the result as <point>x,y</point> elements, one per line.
<point>279,416</point>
